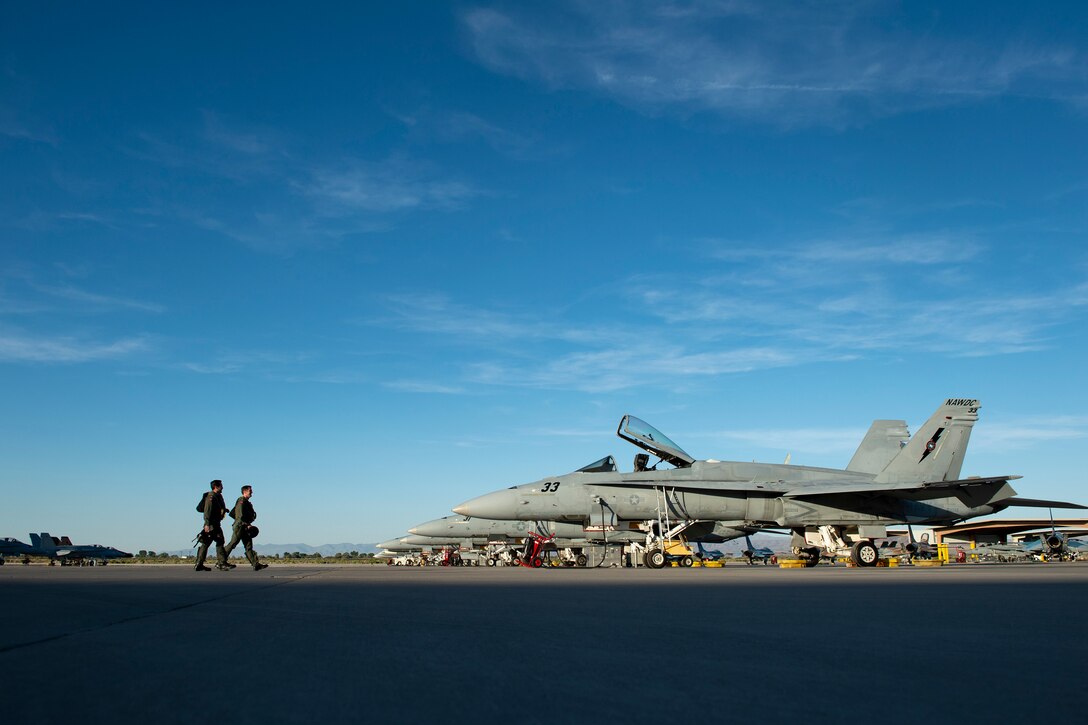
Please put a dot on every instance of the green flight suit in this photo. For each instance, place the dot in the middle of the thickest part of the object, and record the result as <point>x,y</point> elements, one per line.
<point>215,510</point>
<point>243,515</point>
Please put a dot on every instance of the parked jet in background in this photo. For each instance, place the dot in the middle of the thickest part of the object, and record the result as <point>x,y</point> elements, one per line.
<point>825,508</point>
<point>14,547</point>
<point>756,553</point>
<point>63,550</point>
<point>1054,546</point>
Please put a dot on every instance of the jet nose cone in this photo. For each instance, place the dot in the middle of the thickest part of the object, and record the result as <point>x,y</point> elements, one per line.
<point>431,528</point>
<point>496,505</point>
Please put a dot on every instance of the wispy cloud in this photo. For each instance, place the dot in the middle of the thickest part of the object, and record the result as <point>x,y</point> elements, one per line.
<point>17,346</point>
<point>787,64</point>
<point>462,126</point>
<point>609,370</point>
<point>250,361</point>
<point>826,302</point>
<point>389,186</point>
<point>1030,431</point>
<point>418,386</point>
<point>304,201</point>
<point>13,127</point>
<point>436,313</point>
<point>85,298</point>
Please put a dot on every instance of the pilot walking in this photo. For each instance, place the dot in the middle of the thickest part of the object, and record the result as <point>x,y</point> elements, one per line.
<point>244,516</point>
<point>215,510</point>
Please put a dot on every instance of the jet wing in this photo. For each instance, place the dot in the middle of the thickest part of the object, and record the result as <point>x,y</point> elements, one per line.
<point>1042,504</point>
<point>825,489</point>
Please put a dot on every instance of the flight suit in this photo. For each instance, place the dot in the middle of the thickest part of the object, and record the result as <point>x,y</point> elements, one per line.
<point>243,515</point>
<point>215,510</point>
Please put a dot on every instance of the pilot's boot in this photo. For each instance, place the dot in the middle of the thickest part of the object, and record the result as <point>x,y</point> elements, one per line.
<point>221,561</point>
<point>252,556</point>
<point>201,555</point>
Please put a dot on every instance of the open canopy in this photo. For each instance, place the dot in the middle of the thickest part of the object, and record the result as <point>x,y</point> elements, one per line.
<point>645,436</point>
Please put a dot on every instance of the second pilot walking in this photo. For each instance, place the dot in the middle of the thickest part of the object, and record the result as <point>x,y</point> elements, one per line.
<point>244,530</point>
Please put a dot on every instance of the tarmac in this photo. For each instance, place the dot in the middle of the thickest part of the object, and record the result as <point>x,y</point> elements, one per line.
<point>378,644</point>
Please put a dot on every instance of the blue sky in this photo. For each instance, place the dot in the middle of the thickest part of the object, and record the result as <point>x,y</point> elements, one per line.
<point>377,260</point>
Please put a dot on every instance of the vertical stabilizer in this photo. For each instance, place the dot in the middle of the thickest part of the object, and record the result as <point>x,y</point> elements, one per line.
<point>936,451</point>
<point>879,446</point>
<point>43,542</point>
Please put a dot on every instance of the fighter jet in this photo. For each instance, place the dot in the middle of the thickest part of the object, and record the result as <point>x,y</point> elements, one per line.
<point>63,550</point>
<point>756,553</point>
<point>839,511</point>
<point>14,547</point>
<point>567,536</point>
<point>1054,546</point>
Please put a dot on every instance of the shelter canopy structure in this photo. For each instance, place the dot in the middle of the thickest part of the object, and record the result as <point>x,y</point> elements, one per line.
<point>998,530</point>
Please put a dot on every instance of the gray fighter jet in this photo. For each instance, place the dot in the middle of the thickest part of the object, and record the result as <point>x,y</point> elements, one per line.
<point>14,547</point>
<point>565,535</point>
<point>839,511</point>
<point>63,550</point>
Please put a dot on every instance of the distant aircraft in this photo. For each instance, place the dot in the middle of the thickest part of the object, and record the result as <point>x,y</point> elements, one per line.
<point>1055,546</point>
<point>14,547</point>
<point>837,511</point>
<point>63,550</point>
<point>756,553</point>
<point>1002,552</point>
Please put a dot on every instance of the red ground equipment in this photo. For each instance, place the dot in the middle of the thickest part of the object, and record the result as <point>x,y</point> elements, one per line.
<point>533,553</point>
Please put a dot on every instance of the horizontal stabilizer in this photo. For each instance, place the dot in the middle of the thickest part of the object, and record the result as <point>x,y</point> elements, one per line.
<point>1041,504</point>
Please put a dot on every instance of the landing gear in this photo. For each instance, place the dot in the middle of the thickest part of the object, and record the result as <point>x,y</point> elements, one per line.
<point>655,559</point>
<point>864,553</point>
<point>811,556</point>
<point>581,560</point>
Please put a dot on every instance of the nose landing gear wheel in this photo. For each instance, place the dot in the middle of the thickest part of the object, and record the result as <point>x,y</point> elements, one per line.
<point>864,554</point>
<point>655,559</point>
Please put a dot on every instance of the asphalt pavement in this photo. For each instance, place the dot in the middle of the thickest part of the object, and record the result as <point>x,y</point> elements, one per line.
<point>377,644</point>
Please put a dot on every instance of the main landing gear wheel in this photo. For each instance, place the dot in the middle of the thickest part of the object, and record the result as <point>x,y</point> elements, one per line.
<point>581,560</point>
<point>813,557</point>
<point>864,554</point>
<point>655,559</point>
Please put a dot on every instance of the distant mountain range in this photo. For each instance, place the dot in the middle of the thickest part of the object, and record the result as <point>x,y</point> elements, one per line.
<point>273,549</point>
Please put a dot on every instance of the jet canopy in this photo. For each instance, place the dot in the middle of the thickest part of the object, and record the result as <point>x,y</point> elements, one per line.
<point>645,436</point>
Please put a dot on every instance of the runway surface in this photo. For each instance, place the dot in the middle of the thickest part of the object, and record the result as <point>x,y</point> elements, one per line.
<point>389,644</point>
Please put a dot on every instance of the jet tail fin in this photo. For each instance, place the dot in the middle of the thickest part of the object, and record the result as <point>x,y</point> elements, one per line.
<point>879,446</point>
<point>43,542</point>
<point>936,451</point>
